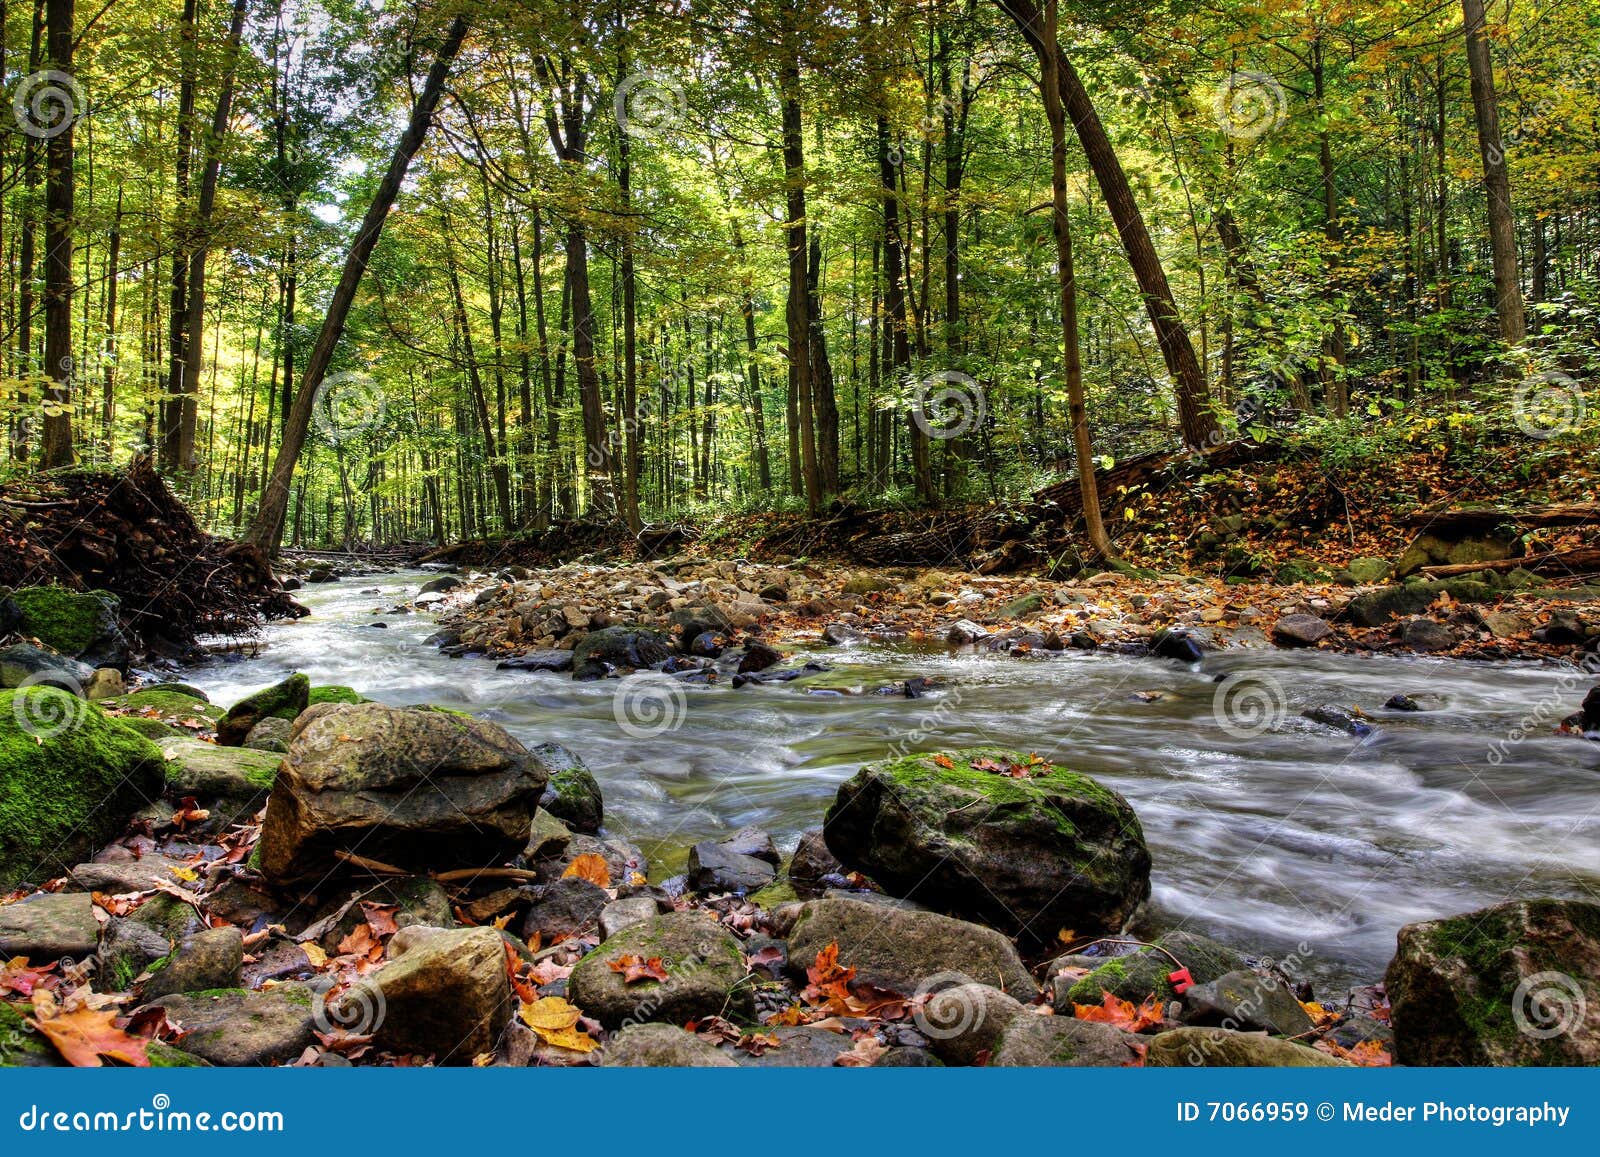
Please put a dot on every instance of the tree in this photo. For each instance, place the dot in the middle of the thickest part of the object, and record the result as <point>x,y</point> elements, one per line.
<point>60,186</point>
<point>1496,177</point>
<point>266,530</point>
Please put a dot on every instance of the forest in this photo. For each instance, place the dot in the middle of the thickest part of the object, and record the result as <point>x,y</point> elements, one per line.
<point>654,262</point>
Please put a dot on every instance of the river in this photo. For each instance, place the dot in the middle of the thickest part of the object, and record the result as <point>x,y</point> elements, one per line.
<point>1267,831</point>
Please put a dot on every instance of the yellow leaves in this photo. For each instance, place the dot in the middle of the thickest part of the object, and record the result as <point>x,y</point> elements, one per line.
<point>555,1022</point>
<point>590,866</point>
<point>315,954</point>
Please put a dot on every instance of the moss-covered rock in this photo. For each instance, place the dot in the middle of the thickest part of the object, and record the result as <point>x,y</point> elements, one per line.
<point>232,782</point>
<point>572,794</point>
<point>24,665</point>
<point>1515,984</point>
<point>285,700</point>
<point>1375,608</point>
<point>72,622</point>
<point>1220,1048</point>
<point>990,835</point>
<point>334,693</point>
<point>657,1046</point>
<point>70,776</point>
<point>705,974</point>
<point>21,1046</point>
<point>1144,972</point>
<point>1436,548</point>
<point>182,714</point>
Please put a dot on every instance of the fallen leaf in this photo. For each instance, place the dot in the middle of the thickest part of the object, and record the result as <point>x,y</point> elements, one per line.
<point>634,967</point>
<point>1115,1011</point>
<point>83,1036</point>
<point>315,954</point>
<point>555,1022</point>
<point>590,866</point>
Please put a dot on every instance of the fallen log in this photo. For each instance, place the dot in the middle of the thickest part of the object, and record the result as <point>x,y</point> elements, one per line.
<point>1582,560</point>
<point>1469,519</point>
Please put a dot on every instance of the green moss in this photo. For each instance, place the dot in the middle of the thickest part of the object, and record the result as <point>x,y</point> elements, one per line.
<point>151,728</point>
<point>1038,792</point>
<point>335,694</point>
<point>67,621</point>
<point>773,895</point>
<point>217,993</point>
<point>20,1046</point>
<point>70,775</point>
<point>167,706</point>
<point>164,1056</point>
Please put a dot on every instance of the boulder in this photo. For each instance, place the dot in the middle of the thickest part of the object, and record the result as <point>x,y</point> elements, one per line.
<point>446,996</point>
<point>49,927</point>
<point>114,877</point>
<point>623,861</point>
<point>231,781</point>
<point>70,776</point>
<point>1363,572</point>
<point>127,948</point>
<point>207,960</point>
<point>1300,631</point>
<point>80,623</point>
<point>1435,547</point>
<point>1219,1048</point>
<point>1246,1001</point>
<point>603,653</point>
<point>1143,972</point>
<point>566,907</point>
<point>898,949</point>
<point>546,659</point>
<point>625,913</point>
<point>417,902</point>
<point>705,974</point>
<point>24,665</point>
<point>965,1021</point>
<point>1375,608</point>
<point>105,683</point>
<point>1031,855</point>
<point>720,867</point>
<point>661,1046</point>
<point>271,734</point>
<point>1515,984</point>
<point>1344,719</point>
<point>440,585</point>
<point>284,700</point>
<point>965,632</point>
<point>812,864</point>
<point>1180,645</point>
<point>416,787</point>
<point>1426,636</point>
<point>333,693</point>
<point>160,712</point>
<point>797,1047</point>
<point>1063,1042</point>
<point>572,794</point>
<point>238,1028</point>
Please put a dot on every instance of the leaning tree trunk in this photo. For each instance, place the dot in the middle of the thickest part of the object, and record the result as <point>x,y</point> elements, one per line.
<point>267,528</point>
<point>1195,413</point>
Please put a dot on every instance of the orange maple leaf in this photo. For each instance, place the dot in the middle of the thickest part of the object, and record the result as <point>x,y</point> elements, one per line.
<point>84,1035</point>
<point>1123,1014</point>
<point>634,967</point>
<point>590,866</point>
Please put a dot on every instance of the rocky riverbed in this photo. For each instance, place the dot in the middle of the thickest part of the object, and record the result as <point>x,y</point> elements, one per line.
<point>311,877</point>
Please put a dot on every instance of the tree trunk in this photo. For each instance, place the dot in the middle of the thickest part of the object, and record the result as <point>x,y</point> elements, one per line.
<point>267,528</point>
<point>56,448</point>
<point>1199,422</point>
<point>172,399</point>
<point>798,311</point>
<point>1496,178</point>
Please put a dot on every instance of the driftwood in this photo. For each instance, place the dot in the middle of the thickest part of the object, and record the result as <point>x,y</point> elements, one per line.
<point>1470,519</point>
<point>1581,560</point>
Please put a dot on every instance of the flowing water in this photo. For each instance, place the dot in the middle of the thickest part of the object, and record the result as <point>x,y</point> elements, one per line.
<point>1267,831</point>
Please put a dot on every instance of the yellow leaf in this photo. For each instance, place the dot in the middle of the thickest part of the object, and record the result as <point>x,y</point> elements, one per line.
<point>187,875</point>
<point>500,922</point>
<point>590,866</point>
<point>556,1023</point>
<point>315,954</point>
